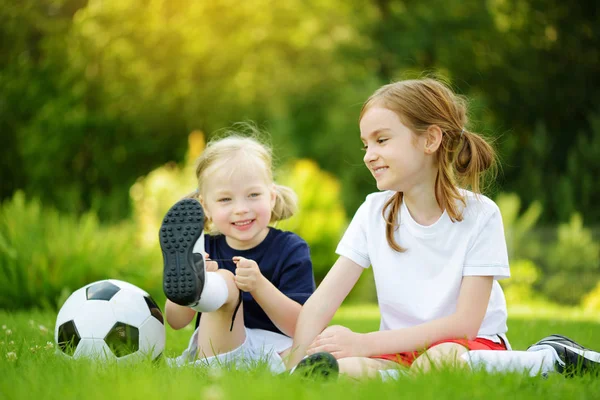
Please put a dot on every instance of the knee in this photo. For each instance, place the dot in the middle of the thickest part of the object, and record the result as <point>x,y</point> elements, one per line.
<point>229,279</point>
<point>226,274</point>
<point>444,354</point>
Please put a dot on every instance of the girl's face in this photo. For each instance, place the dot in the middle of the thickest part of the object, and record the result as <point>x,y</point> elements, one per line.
<point>239,204</point>
<point>393,153</point>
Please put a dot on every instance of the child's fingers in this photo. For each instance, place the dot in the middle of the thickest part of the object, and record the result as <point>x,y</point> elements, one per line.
<point>328,348</point>
<point>322,343</point>
<point>243,272</point>
<point>243,263</point>
<point>314,345</point>
<point>241,277</point>
<point>242,283</point>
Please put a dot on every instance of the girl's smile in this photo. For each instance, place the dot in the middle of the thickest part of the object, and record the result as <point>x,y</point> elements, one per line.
<point>378,171</point>
<point>239,203</point>
<point>243,225</point>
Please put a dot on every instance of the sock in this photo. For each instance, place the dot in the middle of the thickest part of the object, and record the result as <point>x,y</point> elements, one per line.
<point>215,292</point>
<point>536,361</point>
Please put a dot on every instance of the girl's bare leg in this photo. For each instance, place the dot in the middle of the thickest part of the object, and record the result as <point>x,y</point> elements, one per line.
<point>214,334</point>
<point>442,355</point>
<point>364,367</point>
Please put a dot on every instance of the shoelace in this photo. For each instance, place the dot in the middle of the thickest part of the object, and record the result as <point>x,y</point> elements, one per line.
<point>237,307</point>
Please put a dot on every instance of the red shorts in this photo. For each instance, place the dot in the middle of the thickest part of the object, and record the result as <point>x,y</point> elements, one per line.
<point>407,358</point>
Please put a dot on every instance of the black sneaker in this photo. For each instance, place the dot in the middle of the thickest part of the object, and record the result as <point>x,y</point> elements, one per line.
<point>183,276</point>
<point>318,366</point>
<point>576,359</point>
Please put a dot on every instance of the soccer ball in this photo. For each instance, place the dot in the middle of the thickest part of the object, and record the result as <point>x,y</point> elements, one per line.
<point>110,319</point>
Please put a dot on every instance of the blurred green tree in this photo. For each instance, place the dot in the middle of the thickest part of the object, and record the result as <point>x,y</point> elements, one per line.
<point>95,93</point>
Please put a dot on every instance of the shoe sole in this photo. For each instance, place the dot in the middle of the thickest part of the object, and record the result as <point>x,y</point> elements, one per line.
<point>181,227</point>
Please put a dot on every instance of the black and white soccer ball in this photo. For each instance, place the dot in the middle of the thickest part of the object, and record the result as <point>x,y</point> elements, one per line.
<point>110,319</point>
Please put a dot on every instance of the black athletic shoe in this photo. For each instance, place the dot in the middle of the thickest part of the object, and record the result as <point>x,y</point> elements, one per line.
<point>576,359</point>
<point>318,366</point>
<point>183,276</point>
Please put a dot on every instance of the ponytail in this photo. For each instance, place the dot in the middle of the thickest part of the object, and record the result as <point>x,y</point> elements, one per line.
<point>475,158</point>
<point>286,203</point>
<point>463,160</point>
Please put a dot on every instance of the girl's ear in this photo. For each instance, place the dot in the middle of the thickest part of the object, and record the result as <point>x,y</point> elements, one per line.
<point>434,139</point>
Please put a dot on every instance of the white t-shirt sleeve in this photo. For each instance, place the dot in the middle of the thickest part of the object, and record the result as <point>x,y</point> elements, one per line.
<point>488,255</point>
<point>354,242</point>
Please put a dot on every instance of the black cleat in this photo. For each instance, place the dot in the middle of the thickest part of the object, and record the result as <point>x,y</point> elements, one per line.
<point>576,359</point>
<point>320,365</point>
<point>183,276</point>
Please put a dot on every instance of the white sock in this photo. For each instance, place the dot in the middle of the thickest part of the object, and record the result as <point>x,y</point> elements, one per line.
<point>536,361</point>
<point>214,294</point>
<point>215,291</point>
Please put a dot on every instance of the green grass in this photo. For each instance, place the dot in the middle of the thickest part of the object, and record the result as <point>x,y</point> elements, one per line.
<point>30,369</point>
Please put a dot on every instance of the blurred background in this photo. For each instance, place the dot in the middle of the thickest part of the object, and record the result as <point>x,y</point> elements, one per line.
<point>105,104</point>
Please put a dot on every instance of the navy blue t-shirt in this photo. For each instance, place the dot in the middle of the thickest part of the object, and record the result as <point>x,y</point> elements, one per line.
<point>283,258</point>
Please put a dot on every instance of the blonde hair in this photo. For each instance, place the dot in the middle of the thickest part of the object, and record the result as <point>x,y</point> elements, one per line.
<point>463,156</point>
<point>243,153</point>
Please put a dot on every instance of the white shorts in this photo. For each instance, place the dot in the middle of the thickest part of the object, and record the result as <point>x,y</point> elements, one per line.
<point>260,347</point>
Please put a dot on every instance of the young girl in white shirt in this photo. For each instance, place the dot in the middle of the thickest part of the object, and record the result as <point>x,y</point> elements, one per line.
<point>437,249</point>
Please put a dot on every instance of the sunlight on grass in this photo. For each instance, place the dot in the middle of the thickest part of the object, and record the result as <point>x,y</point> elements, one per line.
<point>553,312</point>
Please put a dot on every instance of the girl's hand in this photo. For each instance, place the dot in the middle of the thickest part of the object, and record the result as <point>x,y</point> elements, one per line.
<point>247,274</point>
<point>210,265</point>
<point>341,342</point>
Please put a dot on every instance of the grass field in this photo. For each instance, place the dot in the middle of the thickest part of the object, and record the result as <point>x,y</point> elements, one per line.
<point>29,368</point>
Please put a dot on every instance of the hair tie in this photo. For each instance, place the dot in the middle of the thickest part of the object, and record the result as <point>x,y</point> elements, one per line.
<point>461,132</point>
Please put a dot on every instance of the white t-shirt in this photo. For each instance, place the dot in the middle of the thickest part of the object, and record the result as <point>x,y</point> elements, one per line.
<point>423,283</point>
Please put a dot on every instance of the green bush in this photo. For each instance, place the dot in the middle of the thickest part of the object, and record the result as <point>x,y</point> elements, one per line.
<point>573,263</point>
<point>321,219</point>
<point>153,194</point>
<point>519,288</point>
<point>591,301</point>
<point>567,288</point>
<point>45,255</point>
<point>518,227</point>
